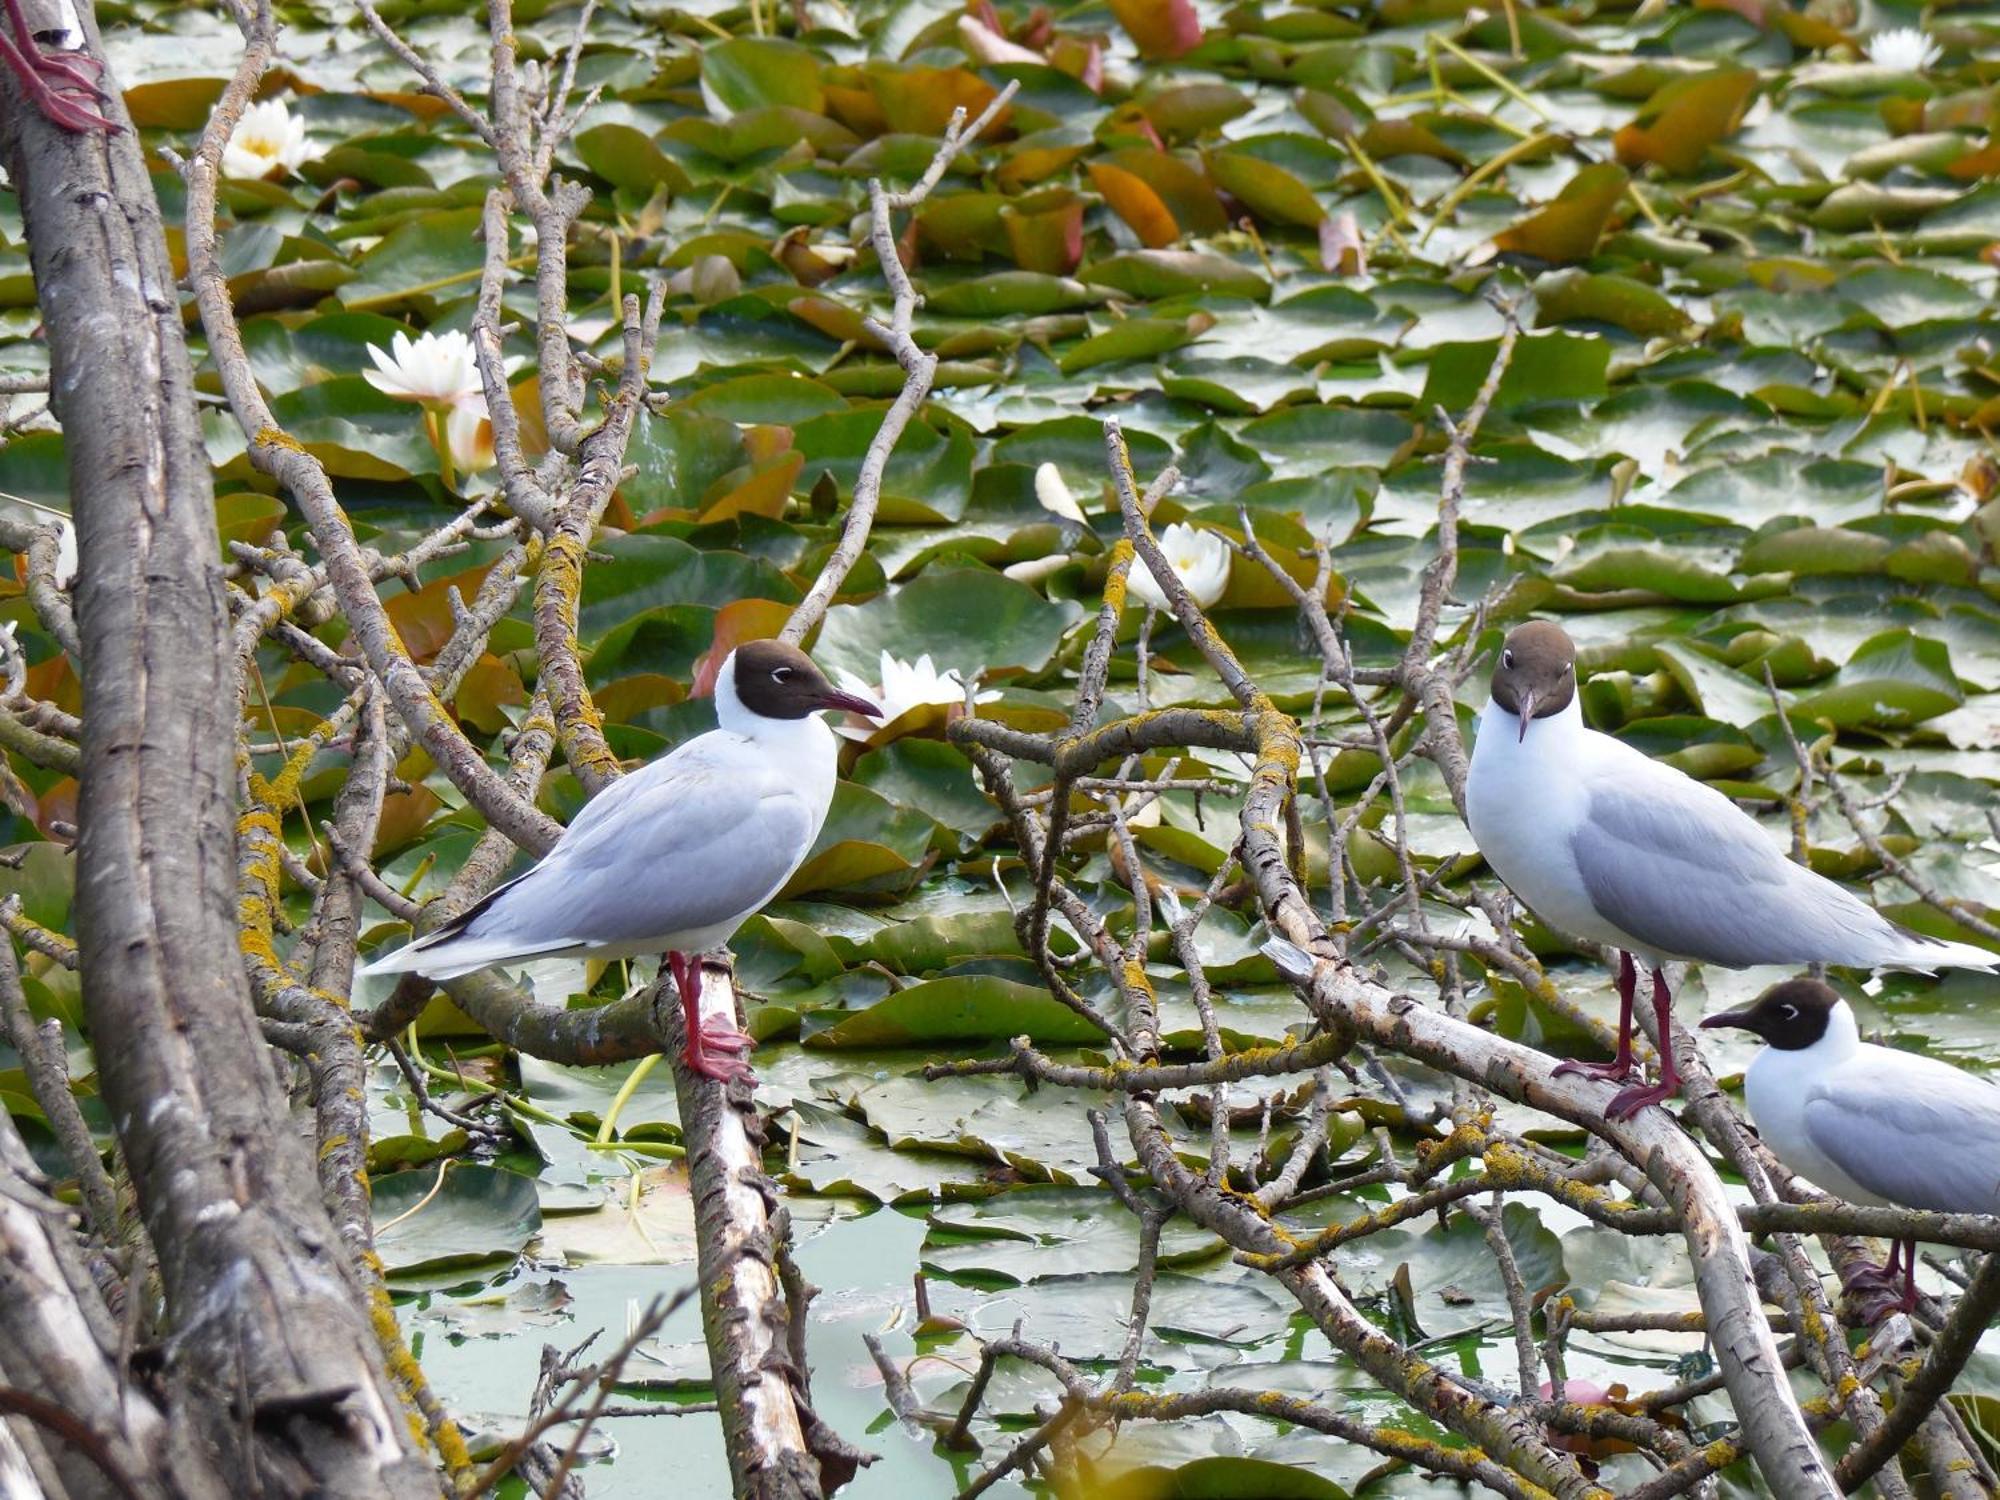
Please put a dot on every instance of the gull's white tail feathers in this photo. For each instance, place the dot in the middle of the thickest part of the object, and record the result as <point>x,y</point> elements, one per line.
<point>451,955</point>
<point>1928,955</point>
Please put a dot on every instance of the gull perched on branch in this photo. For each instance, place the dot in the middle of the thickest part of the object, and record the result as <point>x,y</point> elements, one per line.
<point>1605,843</point>
<point>1869,1124</point>
<point>673,858</point>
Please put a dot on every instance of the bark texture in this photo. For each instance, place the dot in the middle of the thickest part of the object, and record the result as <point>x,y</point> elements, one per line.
<point>273,1364</point>
<point>93,1433</point>
<point>742,1299</point>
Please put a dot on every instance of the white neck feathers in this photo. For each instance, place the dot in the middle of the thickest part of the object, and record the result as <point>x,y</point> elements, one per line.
<point>1841,1040</point>
<point>1500,730</point>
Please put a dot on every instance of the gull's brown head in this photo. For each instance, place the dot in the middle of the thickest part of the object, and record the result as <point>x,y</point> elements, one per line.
<point>1789,1016</point>
<point>1536,674</point>
<point>778,681</point>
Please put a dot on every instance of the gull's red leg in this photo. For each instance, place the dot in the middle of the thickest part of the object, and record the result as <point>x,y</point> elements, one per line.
<point>703,1035</point>
<point>1909,1249</point>
<point>1628,1102</point>
<point>715,1031</point>
<point>1620,1067</point>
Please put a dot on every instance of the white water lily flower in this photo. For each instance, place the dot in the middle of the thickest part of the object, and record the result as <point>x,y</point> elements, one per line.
<point>1903,49</point>
<point>1055,495</point>
<point>1199,558</point>
<point>436,367</point>
<point>1034,569</point>
<point>468,432</point>
<point>269,135</point>
<point>989,46</point>
<point>906,685</point>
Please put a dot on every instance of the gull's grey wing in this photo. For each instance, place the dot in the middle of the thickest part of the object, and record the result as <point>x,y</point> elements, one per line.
<point>685,844</point>
<point>1683,870</point>
<point>1921,1133</point>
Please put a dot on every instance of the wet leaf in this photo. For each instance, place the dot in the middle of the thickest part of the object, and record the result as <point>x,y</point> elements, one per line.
<point>1234,1478</point>
<point>750,72</point>
<point>1152,274</point>
<point>1134,338</point>
<point>961,1009</point>
<point>1895,679</point>
<point>1136,203</point>
<point>968,619</point>
<point>427,1221</point>
<point>1675,128</point>
<point>1545,367</point>
<point>1268,190</point>
<point>1568,228</point>
<point>1160,28</point>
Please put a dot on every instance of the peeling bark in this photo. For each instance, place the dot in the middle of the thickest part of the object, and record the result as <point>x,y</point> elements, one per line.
<point>760,1392</point>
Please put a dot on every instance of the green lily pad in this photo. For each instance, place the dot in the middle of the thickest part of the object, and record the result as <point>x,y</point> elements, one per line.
<point>967,619</point>
<point>970,1008</point>
<point>1895,679</point>
<point>473,1214</point>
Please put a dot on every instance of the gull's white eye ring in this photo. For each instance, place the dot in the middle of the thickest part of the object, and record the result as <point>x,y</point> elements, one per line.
<point>779,674</point>
<point>1507,659</point>
<point>1789,1012</point>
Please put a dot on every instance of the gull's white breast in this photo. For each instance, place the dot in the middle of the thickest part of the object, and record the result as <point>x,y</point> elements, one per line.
<point>1524,802</point>
<point>1778,1086</point>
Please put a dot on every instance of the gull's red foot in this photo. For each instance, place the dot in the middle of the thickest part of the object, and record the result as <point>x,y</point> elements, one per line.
<point>723,1067</point>
<point>1872,1295</point>
<point>719,1034</point>
<point>1873,1278</point>
<point>62,85</point>
<point>1628,1102</point>
<point>1618,1070</point>
<point>707,1035</point>
<point>1874,1292</point>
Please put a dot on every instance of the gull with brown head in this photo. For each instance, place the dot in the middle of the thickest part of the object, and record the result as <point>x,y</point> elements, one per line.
<point>1603,842</point>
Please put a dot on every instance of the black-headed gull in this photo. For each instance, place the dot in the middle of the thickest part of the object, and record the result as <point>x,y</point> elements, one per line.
<point>675,857</point>
<point>1604,843</point>
<point>1866,1123</point>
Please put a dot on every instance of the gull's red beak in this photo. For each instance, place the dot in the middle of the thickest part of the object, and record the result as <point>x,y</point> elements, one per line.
<point>852,702</point>
<point>1527,714</point>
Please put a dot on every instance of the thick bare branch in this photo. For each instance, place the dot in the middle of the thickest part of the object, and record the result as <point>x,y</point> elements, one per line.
<point>256,1292</point>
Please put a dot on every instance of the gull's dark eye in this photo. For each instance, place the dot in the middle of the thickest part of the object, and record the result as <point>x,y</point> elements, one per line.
<point>1507,660</point>
<point>780,674</point>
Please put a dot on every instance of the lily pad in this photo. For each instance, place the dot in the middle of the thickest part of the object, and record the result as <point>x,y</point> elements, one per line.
<point>967,619</point>
<point>465,1215</point>
<point>961,1009</point>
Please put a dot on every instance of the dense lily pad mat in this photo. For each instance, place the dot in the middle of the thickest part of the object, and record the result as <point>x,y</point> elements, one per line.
<point>1744,450</point>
